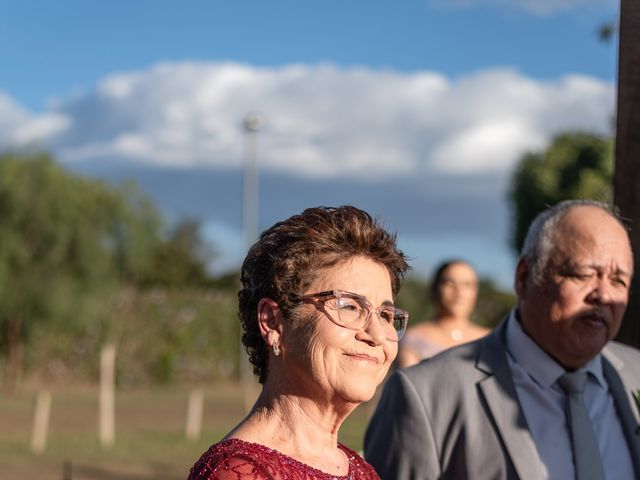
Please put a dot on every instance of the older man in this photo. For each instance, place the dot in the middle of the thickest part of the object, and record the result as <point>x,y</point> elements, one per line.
<point>547,395</point>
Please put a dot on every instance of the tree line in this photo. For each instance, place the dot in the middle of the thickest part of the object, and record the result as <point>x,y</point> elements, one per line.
<point>75,253</point>
<point>84,262</point>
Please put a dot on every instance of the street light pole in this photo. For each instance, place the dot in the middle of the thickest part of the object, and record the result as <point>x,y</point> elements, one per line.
<point>250,125</point>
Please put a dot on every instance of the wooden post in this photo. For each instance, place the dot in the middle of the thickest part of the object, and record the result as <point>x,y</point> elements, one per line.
<point>195,408</point>
<point>67,471</point>
<point>41,417</point>
<point>627,165</point>
<point>107,395</point>
<point>250,199</point>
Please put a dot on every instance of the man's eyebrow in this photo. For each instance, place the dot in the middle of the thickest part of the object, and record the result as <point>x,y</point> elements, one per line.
<point>600,268</point>
<point>621,271</point>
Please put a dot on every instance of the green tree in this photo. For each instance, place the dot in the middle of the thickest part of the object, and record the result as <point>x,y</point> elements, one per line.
<point>575,165</point>
<point>493,303</point>
<point>63,239</point>
<point>607,31</point>
<point>181,260</point>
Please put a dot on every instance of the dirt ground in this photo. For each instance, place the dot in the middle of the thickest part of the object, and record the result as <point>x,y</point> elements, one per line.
<point>149,438</point>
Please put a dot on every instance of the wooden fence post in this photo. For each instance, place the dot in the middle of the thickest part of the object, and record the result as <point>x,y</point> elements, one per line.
<point>107,395</point>
<point>195,408</point>
<point>41,417</point>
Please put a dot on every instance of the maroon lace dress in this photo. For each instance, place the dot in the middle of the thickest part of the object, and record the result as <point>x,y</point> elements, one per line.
<point>235,459</point>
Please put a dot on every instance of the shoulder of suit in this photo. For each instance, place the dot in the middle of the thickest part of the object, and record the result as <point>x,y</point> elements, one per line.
<point>622,350</point>
<point>622,347</point>
<point>445,362</point>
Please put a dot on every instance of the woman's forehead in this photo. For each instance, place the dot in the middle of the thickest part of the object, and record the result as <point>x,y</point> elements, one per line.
<point>360,275</point>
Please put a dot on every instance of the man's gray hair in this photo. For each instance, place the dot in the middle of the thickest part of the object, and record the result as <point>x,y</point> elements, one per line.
<point>539,242</point>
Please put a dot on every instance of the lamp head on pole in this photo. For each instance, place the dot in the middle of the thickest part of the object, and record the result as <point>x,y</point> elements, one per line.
<point>252,123</point>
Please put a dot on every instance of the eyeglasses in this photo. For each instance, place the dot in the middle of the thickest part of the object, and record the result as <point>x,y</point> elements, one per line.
<point>353,311</point>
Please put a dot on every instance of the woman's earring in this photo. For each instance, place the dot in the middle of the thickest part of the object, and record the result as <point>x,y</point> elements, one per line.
<point>276,349</point>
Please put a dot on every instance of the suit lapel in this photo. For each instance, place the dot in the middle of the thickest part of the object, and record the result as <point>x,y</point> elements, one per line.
<point>613,369</point>
<point>500,395</point>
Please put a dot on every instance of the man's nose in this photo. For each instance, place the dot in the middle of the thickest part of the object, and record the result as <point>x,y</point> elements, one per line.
<point>602,291</point>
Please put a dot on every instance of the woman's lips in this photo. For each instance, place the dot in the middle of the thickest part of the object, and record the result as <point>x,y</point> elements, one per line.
<point>363,357</point>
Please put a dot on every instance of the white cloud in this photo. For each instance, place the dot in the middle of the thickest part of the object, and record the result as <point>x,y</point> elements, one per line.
<point>430,153</point>
<point>536,7</point>
<point>18,127</point>
<point>319,121</point>
<point>485,147</point>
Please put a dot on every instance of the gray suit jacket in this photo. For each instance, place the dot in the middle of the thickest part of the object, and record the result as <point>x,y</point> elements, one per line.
<point>457,415</point>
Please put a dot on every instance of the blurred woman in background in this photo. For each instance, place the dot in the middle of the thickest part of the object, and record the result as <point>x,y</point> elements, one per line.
<point>321,330</point>
<point>454,291</point>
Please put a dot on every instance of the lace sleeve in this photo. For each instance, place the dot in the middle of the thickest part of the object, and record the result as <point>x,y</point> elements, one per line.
<point>236,467</point>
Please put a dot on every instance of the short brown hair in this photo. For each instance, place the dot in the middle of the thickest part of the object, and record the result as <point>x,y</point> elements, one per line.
<point>288,256</point>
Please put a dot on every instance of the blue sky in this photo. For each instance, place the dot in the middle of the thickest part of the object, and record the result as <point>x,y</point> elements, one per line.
<point>415,110</point>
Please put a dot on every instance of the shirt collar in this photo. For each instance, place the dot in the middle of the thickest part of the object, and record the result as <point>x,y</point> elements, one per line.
<point>536,362</point>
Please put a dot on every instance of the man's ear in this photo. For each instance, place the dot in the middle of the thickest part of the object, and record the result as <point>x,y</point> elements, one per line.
<point>269,321</point>
<point>522,278</point>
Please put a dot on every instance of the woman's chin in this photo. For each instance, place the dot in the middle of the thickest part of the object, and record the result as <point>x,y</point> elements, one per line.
<point>357,396</point>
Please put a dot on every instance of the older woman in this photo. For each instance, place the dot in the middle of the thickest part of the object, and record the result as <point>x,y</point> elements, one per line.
<point>454,290</point>
<point>321,331</point>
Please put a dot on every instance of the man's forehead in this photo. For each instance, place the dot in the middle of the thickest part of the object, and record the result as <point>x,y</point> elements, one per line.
<point>587,227</point>
<point>590,221</point>
<point>600,250</point>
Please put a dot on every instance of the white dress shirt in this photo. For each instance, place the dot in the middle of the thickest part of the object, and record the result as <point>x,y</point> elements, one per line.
<point>543,402</point>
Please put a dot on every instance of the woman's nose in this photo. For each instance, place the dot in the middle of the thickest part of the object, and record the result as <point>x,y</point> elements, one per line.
<point>374,327</point>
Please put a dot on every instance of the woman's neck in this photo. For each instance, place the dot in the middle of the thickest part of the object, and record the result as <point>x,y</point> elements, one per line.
<point>297,426</point>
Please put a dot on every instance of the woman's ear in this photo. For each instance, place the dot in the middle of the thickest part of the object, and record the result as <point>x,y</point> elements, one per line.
<point>270,321</point>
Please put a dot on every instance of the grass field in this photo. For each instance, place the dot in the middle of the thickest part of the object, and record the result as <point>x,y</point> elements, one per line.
<point>150,441</point>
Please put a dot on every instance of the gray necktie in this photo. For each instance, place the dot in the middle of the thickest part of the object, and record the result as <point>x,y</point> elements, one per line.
<point>586,454</point>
